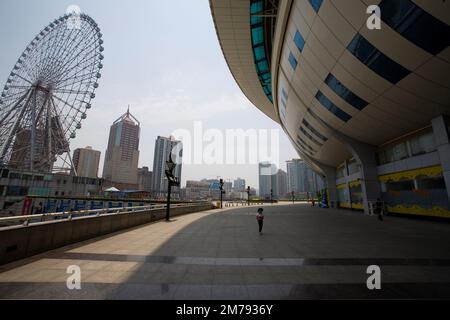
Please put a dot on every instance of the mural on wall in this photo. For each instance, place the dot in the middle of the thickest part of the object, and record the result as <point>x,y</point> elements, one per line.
<point>418,192</point>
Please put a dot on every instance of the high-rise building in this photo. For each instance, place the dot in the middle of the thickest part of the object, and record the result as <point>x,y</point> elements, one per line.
<point>122,154</point>
<point>163,149</point>
<point>239,185</point>
<point>281,183</point>
<point>365,109</point>
<point>86,161</point>
<point>228,187</point>
<point>145,179</point>
<point>301,178</point>
<point>267,180</point>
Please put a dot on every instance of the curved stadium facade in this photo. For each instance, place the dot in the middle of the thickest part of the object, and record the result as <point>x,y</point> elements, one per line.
<point>367,109</point>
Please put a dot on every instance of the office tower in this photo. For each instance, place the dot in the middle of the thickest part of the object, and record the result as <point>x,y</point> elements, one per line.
<point>281,183</point>
<point>267,180</point>
<point>239,185</point>
<point>145,179</point>
<point>163,148</point>
<point>122,155</point>
<point>301,178</point>
<point>295,179</point>
<point>86,161</point>
<point>228,187</point>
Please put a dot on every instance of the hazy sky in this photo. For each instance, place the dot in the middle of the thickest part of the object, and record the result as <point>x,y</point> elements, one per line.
<point>162,58</point>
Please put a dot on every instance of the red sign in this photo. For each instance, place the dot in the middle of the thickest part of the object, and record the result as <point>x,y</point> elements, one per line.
<point>26,209</point>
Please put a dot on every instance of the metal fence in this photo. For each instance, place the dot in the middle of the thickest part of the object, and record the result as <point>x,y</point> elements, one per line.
<point>27,220</point>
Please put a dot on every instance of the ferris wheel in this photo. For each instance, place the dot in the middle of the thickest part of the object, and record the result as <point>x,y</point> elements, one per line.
<point>48,93</point>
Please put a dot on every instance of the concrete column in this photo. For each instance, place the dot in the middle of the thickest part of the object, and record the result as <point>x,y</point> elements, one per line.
<point>365,154</point>
<point>441,137</point>
<point>330,181</point>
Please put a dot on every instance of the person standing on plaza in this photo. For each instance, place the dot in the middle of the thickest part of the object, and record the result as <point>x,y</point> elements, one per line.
<point>260,219</point>
<point>379,208</point>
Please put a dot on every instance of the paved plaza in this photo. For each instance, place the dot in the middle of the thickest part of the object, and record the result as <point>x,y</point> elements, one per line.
<point>303,253</point>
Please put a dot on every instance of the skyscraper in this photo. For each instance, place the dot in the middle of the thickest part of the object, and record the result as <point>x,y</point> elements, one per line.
<point>228,187</point>
<point>267,180</point>
<point>122,155</point>
<point>145,179</point>
<point>239,185</point>
<point>301,178</point>
<point>163,148</point>
<point>86,161</point>
<point>281,183</point>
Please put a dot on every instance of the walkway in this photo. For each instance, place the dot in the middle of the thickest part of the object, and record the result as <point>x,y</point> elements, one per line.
<point>303,253</point>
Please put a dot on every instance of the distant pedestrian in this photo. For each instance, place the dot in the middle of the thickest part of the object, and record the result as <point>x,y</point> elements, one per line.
<point>379,209</point>
<point>313,201</point>
<point>38,208</point>
<point>260,219</point>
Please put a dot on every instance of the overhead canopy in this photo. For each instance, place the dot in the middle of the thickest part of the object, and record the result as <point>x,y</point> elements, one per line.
<point>232,22</point>
<point>112,189</point>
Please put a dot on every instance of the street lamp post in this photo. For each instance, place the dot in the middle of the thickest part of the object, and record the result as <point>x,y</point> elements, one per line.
<point>221,193</point>
<point>248,195</point>
<point>171,181</point>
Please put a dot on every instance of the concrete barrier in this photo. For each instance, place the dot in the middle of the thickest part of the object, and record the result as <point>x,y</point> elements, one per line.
<point>19,242</point>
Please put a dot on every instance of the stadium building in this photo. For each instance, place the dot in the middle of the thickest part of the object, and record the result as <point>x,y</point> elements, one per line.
<point>367,109</point>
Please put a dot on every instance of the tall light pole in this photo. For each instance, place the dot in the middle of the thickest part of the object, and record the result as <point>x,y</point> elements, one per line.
<point>171,181</point>
<point>221,192</point>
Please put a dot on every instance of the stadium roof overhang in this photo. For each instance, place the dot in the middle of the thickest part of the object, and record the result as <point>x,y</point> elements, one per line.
<point>232,23</point>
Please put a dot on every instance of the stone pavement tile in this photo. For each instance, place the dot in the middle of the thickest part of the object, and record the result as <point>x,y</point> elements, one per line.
<point>95,265</point>
<point>51,291</point>
<point>257,270</point>
<point>417,274</point>
<point>259,279</point>
<point>184,260</point>
<point>333,274</point>
<point>228,292</point>
<point>136,276</point>
<point>193,292</point>
<point>228,278</point>
<point>275,270</point>
<point>264,292</point>
<point>289,278</point>
<point>198,278</point>
<point>113,277</point>
<point>151,267</point>
<point>46,276</point>
<point>124,266</point>
<point>169,277</point>
<point>305,291</point>
<point>144,292</point>
<point>201,269</point>
<point>232,262</point>
<point>16,274</point>
<point>227,269</point>
<point>176,268</point>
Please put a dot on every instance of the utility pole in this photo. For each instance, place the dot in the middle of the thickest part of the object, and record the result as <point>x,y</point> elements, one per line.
<point>221,193</point>
<point>171,181</point>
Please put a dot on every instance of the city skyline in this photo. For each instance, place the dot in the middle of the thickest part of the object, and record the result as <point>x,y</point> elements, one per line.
<point>212,97</point>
